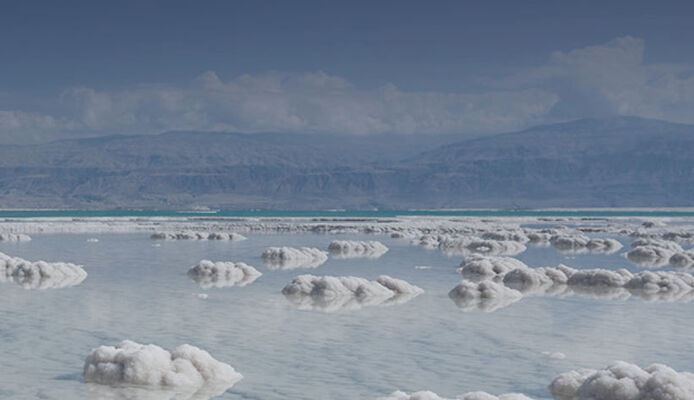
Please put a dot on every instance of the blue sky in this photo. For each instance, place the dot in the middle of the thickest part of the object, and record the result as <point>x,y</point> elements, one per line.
<point>72,69</point>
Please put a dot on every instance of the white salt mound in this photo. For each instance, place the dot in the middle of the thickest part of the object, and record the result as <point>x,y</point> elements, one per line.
<point>427,395</point>
<point>356,249</point>
<point>652,253</point>
<point>468,245</point>
<point>486,296</point>
<point>290,257</point>
<point>210,274</point>
<point>134,364</point>
<point>583,244</point>
<point>40,274</point>
<point>554,355</point>
<point>478,267</point>
<point>624,381</point>
<point>14,237</point>
<point>193,235</point>
<point>333,293</point>
<point>473,245</point>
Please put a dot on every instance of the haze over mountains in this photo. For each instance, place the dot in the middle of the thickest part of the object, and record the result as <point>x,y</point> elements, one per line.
<point>623,161</point>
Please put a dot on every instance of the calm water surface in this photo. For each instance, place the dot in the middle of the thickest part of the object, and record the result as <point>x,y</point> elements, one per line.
<point>141,292</point>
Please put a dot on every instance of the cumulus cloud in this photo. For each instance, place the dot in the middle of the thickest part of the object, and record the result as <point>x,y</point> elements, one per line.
<point>40,274</point>
<point>612,79</point>
<point>282,102</point>
<point>624,381</point>
<point>597,80</point>
<point>290,257</point>
<point>192,235</point>
<point>210,274</point>
<point>334,293</point>
<point>356,249</point>
<point>133,364</point>
<point>427,395</point>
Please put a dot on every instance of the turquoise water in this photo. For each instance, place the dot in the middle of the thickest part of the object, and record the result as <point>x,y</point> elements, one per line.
<point>256,213</point>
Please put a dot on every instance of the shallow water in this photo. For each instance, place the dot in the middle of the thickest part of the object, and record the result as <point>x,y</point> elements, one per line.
<point>141,292</point>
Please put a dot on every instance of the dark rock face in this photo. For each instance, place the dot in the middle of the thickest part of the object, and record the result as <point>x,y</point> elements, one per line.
<point>597,162</point>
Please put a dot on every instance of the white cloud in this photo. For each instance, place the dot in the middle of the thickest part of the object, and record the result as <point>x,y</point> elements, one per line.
<point>598,80</point>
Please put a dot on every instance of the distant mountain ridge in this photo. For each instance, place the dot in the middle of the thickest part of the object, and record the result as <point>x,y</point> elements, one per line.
<point>612,162</point>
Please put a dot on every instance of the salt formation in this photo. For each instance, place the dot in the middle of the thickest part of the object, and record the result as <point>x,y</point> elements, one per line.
<point>486,296</point>
<point>191,235</point>
<point>356,249</point>
<point>427,395</point>
<point>483,267</point>
<point>40,274</point>
<point>134,364</point>
<point>554,355</point>
<point>290,257</point>
<point>679,236</point>
<point>495,282</point>
<point>624,381</point>
<point>507,235</point>
<point>210,274</point>
<point>467,245</point>
<point>539,238</point>
<point>684,259</point>
<point>583,244</point>
<point>103,392</point>
<point>14,237</point>
<point>651,253</point>
<point>471,245</point>
<point>333,293</point>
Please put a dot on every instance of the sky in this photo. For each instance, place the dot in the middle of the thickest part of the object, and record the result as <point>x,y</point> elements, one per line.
<point>90,68</point>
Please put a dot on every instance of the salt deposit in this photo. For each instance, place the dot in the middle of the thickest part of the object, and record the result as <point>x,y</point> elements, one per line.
<point>554,355</point>
<point>40,274</point>
<point>486,296</point>
<point>467,245</point>
<point>496,283</point>
<point>134,364</point>
<point>583,244</point>
<point>483,267</point>
<point>14,237</point>
<point>210,274</point>
<point>356,249</point>
<point>332,293</point>
<point>290,257</point>
<point>427,395</point>
<point>192,235</point>
<point>624,381</point>
<point>652,253</point>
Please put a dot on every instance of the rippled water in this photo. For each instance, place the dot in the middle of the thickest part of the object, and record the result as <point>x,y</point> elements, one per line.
<point>139,291</point>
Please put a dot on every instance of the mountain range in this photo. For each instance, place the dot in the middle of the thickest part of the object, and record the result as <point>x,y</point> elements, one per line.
<point>611,162</point>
